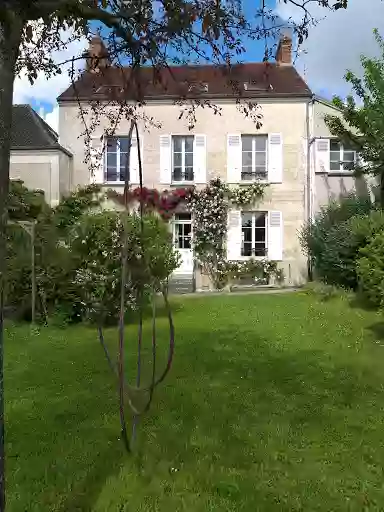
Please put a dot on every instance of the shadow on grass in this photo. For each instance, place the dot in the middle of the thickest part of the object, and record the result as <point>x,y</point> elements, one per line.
<point>360,301</point>
<point>105,465</point>
<point>233,400</point>
<point>377,330</point>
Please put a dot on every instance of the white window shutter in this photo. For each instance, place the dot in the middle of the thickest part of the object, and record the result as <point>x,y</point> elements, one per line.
<point>134,175</point>
<point>234,158</point>
<point>200,159</point>
<point>275,158</point>
<point>234,235</point>
<point>165,159</point>
<point>97,159</point>
<point>323,156</point>
<point>275,236</point>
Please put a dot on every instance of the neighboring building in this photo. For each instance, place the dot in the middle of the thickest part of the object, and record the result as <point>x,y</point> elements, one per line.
<point>37,158</point>
<point>331,162</point>
<point>283,153</point>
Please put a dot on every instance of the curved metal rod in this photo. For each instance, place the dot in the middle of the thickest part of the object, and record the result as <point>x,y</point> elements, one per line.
<point>171,351</point>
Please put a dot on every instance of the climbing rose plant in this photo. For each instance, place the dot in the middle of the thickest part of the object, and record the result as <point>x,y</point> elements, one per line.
<point>209,209</point>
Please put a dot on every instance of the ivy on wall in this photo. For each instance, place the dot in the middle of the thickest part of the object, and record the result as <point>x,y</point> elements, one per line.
<point>209,208</point>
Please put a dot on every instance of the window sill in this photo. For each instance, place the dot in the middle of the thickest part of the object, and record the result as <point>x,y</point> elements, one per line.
<point>177,183</point>
<point>117,183</point>
<point>246,258</point>
<point>336,173</point>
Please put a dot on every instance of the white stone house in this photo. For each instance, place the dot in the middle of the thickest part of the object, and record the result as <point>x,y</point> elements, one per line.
<point>288,151</point>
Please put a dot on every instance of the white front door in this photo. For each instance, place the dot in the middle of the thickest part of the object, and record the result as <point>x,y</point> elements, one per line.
<point>182,236</point>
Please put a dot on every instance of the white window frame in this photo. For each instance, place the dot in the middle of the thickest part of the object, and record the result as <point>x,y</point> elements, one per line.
<point>182,137</point>
<point>105,177</point>
<point>183,222</point>
<point>254,151</point>
<point>341,168</point>
<point>253,213</point>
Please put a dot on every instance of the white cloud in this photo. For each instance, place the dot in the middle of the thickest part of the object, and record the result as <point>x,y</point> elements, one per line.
<point>336,43</point>
<point>52,118</point>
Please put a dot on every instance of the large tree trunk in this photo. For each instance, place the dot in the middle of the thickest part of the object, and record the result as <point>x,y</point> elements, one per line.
<point>10,33</point>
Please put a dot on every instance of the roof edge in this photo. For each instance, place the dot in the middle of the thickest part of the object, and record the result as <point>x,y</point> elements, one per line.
<point>39,148</point>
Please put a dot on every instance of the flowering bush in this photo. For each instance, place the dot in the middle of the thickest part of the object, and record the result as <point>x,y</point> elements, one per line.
<point>260,271</point>
<point>246,194</point>
<point>209,208</point>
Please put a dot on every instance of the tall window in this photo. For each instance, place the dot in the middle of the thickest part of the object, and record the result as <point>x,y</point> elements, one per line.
<point>342,157</point>
<point>182,230</point>
<point>254,157</point>
<point>182,158</point>
<point>254,233</point>
<point>116,159</point>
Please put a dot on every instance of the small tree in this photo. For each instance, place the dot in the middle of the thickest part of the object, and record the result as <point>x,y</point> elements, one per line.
<point>362,117</point>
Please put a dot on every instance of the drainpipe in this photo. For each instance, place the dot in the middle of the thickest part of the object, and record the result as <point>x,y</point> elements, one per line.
<point>309,177</point>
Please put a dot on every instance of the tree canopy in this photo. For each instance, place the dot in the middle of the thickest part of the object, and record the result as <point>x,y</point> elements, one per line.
<point>361,122</point>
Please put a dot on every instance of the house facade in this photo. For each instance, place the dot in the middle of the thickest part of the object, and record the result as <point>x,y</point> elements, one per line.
<point>285,152</point>
<point>37,158</point>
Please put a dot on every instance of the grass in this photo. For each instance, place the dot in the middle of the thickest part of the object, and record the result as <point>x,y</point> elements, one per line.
<point>274,403</point>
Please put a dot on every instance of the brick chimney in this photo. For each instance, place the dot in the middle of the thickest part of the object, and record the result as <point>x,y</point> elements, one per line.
<point>284,50</point>
<point>97,55</point>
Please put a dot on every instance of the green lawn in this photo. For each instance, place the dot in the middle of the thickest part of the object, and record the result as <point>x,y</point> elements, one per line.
<point>274,403</point>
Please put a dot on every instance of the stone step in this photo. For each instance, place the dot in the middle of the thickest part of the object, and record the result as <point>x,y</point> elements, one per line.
<point>181,283</point>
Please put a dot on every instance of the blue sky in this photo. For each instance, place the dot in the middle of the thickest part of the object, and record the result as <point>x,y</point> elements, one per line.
<point>333,45</point>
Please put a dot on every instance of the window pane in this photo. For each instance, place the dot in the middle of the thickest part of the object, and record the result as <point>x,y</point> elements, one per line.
<point>349,156</point>
<point>247,159</point>
<point>123,144</point>
<point>260,219</point>
<point>260,235</point>
<point>112,144</point>
<point>183,216</point>
<point>177,144</point>
<point>189,144</point>
<point>247,174</point>
<point>187,242</point>
<point>260,159</point>
<point>122,174</point>
<point>189,160</point>
<point>247,234</point>
<point>179,242</point>
<point>111,174</point>
<point>189,174</point>
<point>177,174</point>
<point>123,161</point>
<point>246,141</point>
<point>334,166</point>
<point>260,250</point>
<point>261,172</point>
<point>246,249</point>
<point>177,159</point>
<point>246,219</point>
<point>261,142</point>
<point>335,145</point>
<point>111,159</point>
<point>187,229</point>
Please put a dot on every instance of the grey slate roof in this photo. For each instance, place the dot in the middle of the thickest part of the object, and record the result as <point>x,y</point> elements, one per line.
<point>30,131</point>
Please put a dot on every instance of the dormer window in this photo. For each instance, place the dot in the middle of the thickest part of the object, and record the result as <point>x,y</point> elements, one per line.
<point>198,87</point>
<point>254,86</point>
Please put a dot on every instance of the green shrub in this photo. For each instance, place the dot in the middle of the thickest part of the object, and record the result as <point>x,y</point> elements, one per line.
<point>78,258</point>
<point>370,269</point>
<point>95,244</point>
<point>331,243</point>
